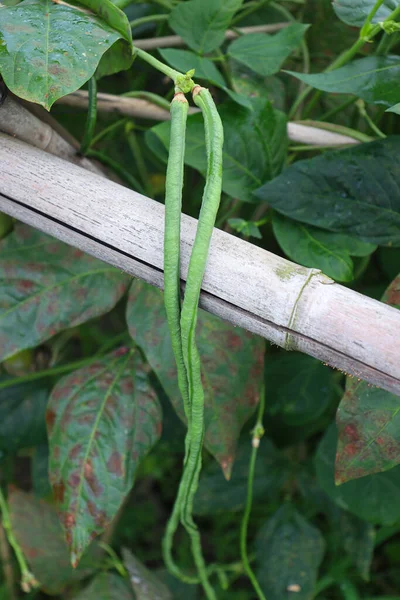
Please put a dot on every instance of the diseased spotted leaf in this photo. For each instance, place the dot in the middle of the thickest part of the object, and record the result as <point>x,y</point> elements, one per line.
<point>22,412</point>
<point>37,528</point>
<point>47,286</point>
<point>287,544</point>
<point>145,584</point>
<point>106,586</point>
<point>368,421</point>
<point>102,420</point>
<point>374,498</point>
<point>232,361</point>
<point>48,49</point>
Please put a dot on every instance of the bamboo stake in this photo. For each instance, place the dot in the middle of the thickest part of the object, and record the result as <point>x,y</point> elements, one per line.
<point>292,306</point>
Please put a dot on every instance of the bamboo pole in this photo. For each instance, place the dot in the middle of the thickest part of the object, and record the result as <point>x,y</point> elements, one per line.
<point>292,306</point>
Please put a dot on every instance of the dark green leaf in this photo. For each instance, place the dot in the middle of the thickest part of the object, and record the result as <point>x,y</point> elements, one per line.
<point>313,247</point>
<point>255,146</point>
<point>202,23</point>
<point>106,586</point>
<point>40,471</point>
<point>113,16</point>
<point>47,286</point>
<point>353,191</point>
<point>247,83</point>
<point>265,53</point>
<point>22,412</point>
<point>299,388</point>
<point>232,361</point>
<point>374,498</point>
<point>145,584</point>
<point>101,421</point>
<point>179,590</point>
<point>357,538</point>
<point>375,79</point>
<point>216,495</point>
<point>48,50</point>
<point>185,60</point>
<point>289,552</point>
<point>355,12</point>
<point>389,259</point>
<point>37,529</point>
<point>118,58</point>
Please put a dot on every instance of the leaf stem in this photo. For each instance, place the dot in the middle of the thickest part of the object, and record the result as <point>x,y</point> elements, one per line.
<point>28,581</point>
<point>117,168</point>
<point>91,117</point>
<point>107,130</point>
<point>157,64</point>
<point>249,9</point>
<point>147,19</point>
<point>258,432</point>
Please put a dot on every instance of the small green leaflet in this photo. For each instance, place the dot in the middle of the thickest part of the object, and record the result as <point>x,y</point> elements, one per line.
<point>354,191</point>
<point>312,247</point>
<point>375,79</point>
<point>355,12</point>
<point>48,50</point>
<point>144,583</point>
<point>265,53</point>
<point>202,23</point>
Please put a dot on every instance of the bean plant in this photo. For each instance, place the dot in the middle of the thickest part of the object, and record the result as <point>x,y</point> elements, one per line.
<point>148,449</point>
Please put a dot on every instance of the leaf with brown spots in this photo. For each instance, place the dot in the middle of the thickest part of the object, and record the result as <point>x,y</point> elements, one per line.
<point>368,421</point>
<point>145,584</point>
<point>232,363</point>
<point>101,421</point>
<point>48,50</point>
<point>37,529</point>
<point>47,286</point>
<point>106,586</point>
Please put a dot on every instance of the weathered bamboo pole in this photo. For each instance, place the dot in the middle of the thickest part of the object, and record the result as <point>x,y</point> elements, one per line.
<point>292,306</point>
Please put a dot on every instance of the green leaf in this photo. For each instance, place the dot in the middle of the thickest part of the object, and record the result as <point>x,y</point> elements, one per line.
<point>232,361</point>
<point>355,12</point>
<point>22,412</point>
<point>313,247</point>
<point>37,529</point>
<point>216,495</point>
<point>255,146</point>
<point>48,50</point>
<point>179,590</point>
<point>353,191</point>
<point>40,471</point>
<point>246,228</point>
<point>375,79</point>
<point>392,294</point>
<point>265,53</point>
<point>101,420</point>
<point>145,584</point>
<point>299,388</point>
<point>374,498</point>
<point>289,546</point>
<point>202,23</point>
<point>113,16</point>
<point>357,538</point>
<point>185,60</point>
<point>47,286</point>
<point>106,586</point>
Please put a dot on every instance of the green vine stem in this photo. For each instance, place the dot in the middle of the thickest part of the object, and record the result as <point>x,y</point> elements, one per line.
<point>183,81</point>
<point>28,580</point>
<point>258,433</point>
<point>148,19</point>
<point>112,164</point>
<point>91,116</point>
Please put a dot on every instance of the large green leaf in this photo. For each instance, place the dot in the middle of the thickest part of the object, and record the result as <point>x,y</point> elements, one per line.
<point>37,529</point>
<point>101,421</point>
<point>106,586</point>
<point>375,79</point>
<point>353,191</point>
<point>202,23</point>
<point>47,286</point>
<point>265,53</point>
<point>145,584</point>
<point>368,421</point>
<point>22,412</point>
<point>48,50</point>
<point>216,495</point>
<point>298,388</point>
<point>289,552</point>
<point>255,146</point>
<point>312,247</point>
<point>374,498</point>
<point>355,12</point>
<point>232,361</point>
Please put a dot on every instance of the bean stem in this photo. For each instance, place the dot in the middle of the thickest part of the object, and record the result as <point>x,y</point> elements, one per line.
<point>91,116</point>
<point>147,19</point>
<point>258,432</point>
<point>117,168</point>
